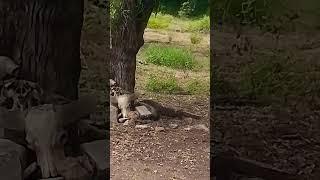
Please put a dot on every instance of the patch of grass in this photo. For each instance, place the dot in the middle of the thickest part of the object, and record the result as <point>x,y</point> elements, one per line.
<point>195,38</point>
<point>163,84</point>
<point>169,56</point>
<point>199,25</point>
<point>281,78</point>
<point>159,21</point>
<point>195,86</point>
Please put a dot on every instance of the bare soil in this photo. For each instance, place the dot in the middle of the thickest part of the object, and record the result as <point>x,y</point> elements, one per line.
<point>286,138</point>
<point>180,152</point>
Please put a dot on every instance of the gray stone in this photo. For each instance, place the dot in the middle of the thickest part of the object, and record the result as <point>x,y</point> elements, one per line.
<point>97,152</point>
<point>173,126</point>
<point>187,128</point>
<point>126,123</point>
<point>142,126</point>
<point>143,111</point>
<point>198,127</point>
<point>159,129</point>
<point>12,160</point>
<point>201,127</point>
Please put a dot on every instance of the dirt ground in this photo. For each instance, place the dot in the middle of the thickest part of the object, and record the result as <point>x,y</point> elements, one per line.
<point>168,148</point>
<point>179,151</point>
<point>286,138</point>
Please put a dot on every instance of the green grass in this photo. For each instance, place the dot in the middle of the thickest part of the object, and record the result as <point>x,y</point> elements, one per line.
<point>159,21</point>
<point>199,25</point>
<point>195,38</point>
<point>163,84</point>
<point>169,22</point>
<point>280,77</point>
<point>195,86</point>
<point>169,56</point>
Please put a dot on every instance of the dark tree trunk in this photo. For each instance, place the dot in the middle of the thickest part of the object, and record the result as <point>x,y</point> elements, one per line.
<point>127,38</point>
<point>43,37</point>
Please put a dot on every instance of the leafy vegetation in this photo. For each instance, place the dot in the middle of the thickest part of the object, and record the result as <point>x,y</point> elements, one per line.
<point>280,76</point>
<point>163,84</point>
<point>159,21</point>
<point>184,8</point>
<point>200,25</point>
<point>170,56</point>
<point>169,22</point>
<point>195,38</point>
<point>195,86</point>
<point>168,83</point>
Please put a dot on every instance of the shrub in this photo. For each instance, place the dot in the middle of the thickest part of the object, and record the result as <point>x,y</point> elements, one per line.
<point>195,38</point>
<point>159,21</point>
<point>200,25</point>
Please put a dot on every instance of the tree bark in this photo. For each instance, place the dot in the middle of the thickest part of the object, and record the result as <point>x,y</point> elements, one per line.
<point>127,38</point>
<point>43,38</point>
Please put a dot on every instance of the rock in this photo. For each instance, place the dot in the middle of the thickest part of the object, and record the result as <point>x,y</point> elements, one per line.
<point>188,120</point>
<point>187,128</point>
<point>126,123</point>
<point>142,126</point>
<point>173,126</point>
<point>143,111</point>
<point>159,129</point>
<point>79,168</point>
<point>198,127</point>
<point>97,152</point>
<point>201,127</point>
<point>12,160</point>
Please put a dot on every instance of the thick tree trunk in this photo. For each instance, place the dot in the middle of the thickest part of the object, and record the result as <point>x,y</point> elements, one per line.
<point>43,37</point>
<point>127,38</point>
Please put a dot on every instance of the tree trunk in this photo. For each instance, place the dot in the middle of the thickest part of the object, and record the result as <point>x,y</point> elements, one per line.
<point>43,37</point>
<point>127,38</point>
